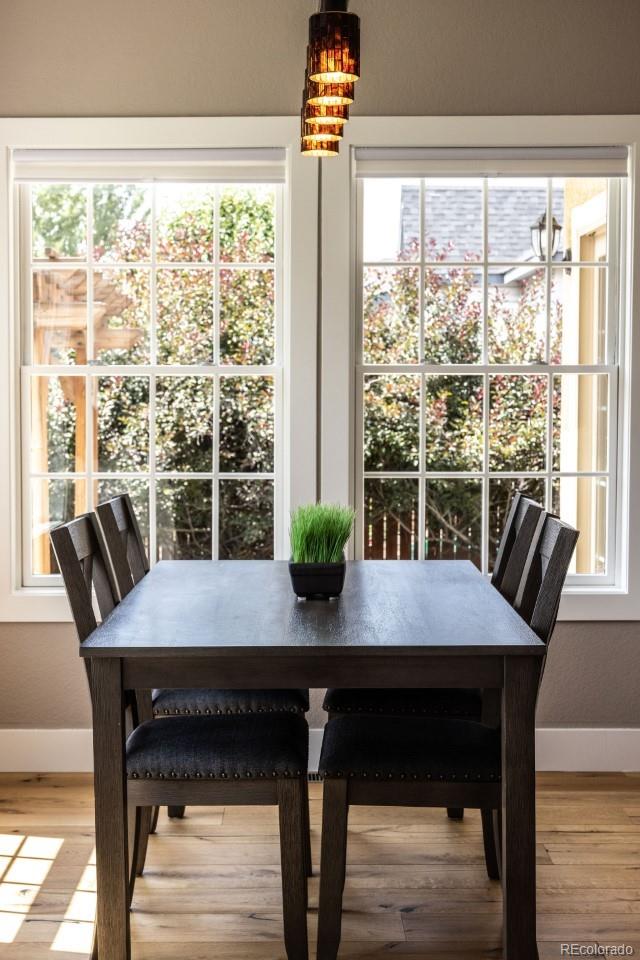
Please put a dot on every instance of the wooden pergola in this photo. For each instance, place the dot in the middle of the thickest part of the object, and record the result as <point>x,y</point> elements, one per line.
<point>61,315</point>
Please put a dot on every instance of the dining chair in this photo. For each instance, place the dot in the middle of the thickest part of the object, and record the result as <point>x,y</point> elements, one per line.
<point>422,761</point>
<point>242,759</point>
<point>130,564</point>
<point>519,531</point>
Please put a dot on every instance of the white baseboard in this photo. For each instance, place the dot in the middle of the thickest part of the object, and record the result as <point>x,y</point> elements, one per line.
<point>46,751</point>
<point>583,749</point>
<point>588,749</point>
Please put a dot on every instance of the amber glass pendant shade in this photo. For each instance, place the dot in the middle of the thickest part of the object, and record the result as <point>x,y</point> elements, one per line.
<point>323,134</point>
<point>319,148</point>
<point>320,134</point>
<point>318,115</point>
<point>334,47</point>
<point>329,94</point>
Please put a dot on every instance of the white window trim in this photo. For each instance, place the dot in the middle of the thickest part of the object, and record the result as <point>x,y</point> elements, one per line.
<point>617,601</point>
<point>299,336</point>
<point>337,340</point>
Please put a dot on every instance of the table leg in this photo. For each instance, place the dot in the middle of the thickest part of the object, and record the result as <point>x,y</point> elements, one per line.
<point>112,856</point>
<point>521,676</point>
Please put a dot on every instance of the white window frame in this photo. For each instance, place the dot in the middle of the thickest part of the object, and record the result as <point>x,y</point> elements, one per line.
<point>296,453</point>
<point>92,371</point>
<point>616,600</point>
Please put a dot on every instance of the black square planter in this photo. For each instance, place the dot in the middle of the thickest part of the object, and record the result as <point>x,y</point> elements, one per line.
<point>317,581</point>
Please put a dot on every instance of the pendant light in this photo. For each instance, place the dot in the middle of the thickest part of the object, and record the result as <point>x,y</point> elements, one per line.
<point>333,66</point>
<point>334,44</point>
<point>324,143</point>
<point>319,148</point>
<point>324,134</point>
<point>320,115</point>
<point>329,94</point>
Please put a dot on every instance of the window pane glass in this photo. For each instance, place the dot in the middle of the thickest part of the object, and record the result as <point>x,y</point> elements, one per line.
<point>391,315</point>
<point>582,502</point>
<point>578,315</point>
<point>138,490</point>
<point>514,206</point>
<point>246,424</point>
<point>58,221</point>
<point>122,424</point>
<point>247,224</point>
<point>121,222</point>
<point>517,316</point>
<point>501,493</point>
<point>185,222</point>
<point>246,520</point>
<point>60,316</point>
<point>391,524</point>
<point>183,509</point>
<point>121,316</point>
<point>580,422</point>
<point>453,423</point>
<point>453,219</point>
<point>52,502</point>
<point>452,315</point>
<point>247,316</point>
<point>58,424</point>
<point>580,207</point>
<point>391,220</point>
<point>453,511</point>
<point>517,422</point>
<point>185,316</point>
<point>184,424</point>
<point>391,422</point>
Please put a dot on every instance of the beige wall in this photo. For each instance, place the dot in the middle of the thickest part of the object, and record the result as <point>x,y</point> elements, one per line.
<point>245,57</point>
<point>591,680</point>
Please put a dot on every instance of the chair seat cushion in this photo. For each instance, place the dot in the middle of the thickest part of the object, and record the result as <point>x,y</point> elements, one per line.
<point>402,748</point>
<point>185,702</point>
<point>466,704</point>
<point>225,748</point>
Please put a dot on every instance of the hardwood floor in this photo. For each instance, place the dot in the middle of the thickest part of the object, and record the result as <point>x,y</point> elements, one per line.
<point>416,883</point>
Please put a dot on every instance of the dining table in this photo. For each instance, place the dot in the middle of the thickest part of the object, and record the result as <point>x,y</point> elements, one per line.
<point>236,624</point>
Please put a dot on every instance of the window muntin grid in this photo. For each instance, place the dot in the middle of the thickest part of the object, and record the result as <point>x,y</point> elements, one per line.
<point>241,485</point>
<point>413,358</point>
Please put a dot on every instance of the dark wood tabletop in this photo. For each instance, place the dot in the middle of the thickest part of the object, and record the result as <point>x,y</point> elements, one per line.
<point>198,607</point>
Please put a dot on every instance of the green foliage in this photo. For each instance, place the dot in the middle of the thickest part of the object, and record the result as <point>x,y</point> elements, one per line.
<point>319,532</point>
<point>58,220</point>
<point>453,404</point>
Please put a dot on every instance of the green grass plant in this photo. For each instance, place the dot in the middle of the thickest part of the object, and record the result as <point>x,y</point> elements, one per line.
<point>319,532</point>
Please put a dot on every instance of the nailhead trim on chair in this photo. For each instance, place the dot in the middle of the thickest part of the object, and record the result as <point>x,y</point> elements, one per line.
<point>380,775</point>
<point>185,712</point>
<point>197,775</point>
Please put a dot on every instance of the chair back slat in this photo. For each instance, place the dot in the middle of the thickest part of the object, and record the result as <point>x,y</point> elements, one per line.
<point>520,528</point>
<point>84,564</point>
<point>124,540</point>
<point>538,598</point>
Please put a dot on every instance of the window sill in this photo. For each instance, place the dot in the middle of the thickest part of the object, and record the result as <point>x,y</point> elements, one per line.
<point>49,605</point>
<point>599,603</point>
<point>35,605</point>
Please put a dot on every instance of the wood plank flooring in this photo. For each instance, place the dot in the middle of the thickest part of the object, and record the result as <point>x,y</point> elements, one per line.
<point>416,883</point>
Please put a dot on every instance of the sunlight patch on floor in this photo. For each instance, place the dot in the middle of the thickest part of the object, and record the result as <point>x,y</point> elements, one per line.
<point>75,933</point>
<point>24,865</point>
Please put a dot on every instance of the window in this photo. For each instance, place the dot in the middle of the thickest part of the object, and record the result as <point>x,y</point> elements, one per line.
<point>152,318</point>
<point>487,362</point>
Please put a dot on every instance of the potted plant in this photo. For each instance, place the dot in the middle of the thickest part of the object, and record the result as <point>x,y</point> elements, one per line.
<point>319,533</point>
